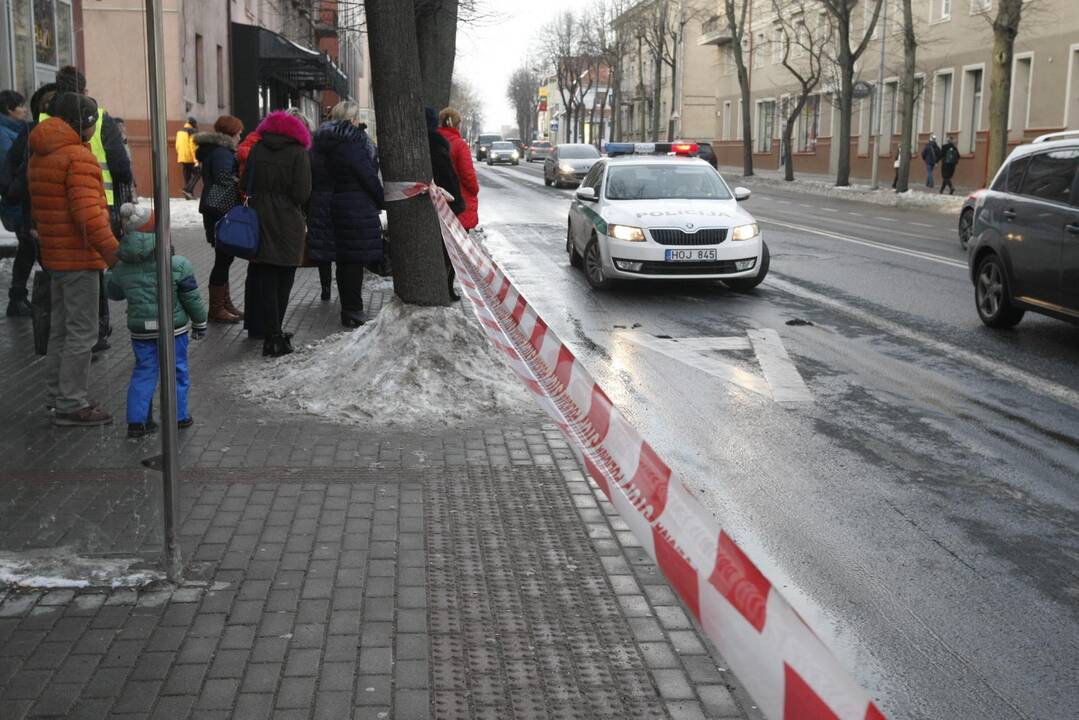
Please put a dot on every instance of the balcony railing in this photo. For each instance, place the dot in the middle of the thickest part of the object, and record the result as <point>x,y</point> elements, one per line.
<point>714,31</point>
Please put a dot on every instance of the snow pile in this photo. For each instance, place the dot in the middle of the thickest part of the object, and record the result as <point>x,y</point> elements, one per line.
<point>863,193</point>
<point>410,366</point>
<point>183,214</point>
<point>64,568</point>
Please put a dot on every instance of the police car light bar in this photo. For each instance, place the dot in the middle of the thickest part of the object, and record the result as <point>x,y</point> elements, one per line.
<point>616,149</point>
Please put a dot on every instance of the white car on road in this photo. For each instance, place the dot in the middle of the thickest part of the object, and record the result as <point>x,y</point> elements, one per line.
<point>660,217</point>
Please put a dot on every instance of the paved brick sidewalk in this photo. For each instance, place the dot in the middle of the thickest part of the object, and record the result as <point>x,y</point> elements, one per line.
<point>333,571</point>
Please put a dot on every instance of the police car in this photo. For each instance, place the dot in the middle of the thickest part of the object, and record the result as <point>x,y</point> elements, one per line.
<point>651,211</point>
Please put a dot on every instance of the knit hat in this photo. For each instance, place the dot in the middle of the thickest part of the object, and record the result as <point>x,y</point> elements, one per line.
<point>137,218</point>
<point>78,111</point>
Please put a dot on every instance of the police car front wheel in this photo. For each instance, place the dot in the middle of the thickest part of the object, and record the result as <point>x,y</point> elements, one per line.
<point>593,266</point>
<point>748,283</point>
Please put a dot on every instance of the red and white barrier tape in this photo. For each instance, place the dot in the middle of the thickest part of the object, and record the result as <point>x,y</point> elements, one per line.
<point>785,667</point>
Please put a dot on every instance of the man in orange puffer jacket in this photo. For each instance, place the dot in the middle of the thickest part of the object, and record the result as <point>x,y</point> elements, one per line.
<point>67,199</point>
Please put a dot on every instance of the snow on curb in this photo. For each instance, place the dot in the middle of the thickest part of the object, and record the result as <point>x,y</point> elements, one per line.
<point>861,193</point>
<point>410,366</point>
<point>63,568</point>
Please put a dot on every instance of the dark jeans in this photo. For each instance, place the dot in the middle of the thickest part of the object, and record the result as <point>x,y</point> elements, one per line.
<point>104,327</point>
<point>191,177</point>
<point>23,263</point>
<point>947,183</point>
<point>271,286</point>
<point>325,275</point>
<point>350,287</point>
<point>219,275</point>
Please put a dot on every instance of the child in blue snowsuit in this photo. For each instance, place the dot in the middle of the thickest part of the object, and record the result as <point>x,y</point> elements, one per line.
<point>135,279</point>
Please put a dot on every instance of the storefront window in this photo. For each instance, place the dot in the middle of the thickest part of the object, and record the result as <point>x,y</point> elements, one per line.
<point>23,38</point>
<point>64,34</point>
<point>45,50</point>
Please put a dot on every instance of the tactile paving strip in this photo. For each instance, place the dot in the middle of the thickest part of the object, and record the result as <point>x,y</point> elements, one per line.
<point>523,621</point>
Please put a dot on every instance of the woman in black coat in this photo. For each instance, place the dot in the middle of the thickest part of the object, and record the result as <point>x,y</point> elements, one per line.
<point>343,223</point>
<point>216,154</point>
<point>278,171</point>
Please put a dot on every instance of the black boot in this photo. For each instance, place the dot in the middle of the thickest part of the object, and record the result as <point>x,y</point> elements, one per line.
<point>138,430</point>
<point>18,303</point>
<point>277,344</point>
<point>352,318</point>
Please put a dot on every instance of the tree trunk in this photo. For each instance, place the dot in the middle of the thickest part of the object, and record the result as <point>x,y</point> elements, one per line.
<point>747,121</point>
<point>674,100</point>
<point>1005,29</point>
<point>657,96</point>
<point>436,39</point>
<point>906,142</point>
<point>788,134</point>
<point>419,273</point>
<point>846,105</point>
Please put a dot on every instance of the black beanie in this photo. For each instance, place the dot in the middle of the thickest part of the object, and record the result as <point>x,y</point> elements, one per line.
<point>78,111</point>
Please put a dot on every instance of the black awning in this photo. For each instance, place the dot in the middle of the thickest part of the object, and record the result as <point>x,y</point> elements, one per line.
<point>279,59</point>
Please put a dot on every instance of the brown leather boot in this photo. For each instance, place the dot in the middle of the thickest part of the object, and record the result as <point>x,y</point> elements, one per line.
<point>218,311</point>
<point>228,303</point>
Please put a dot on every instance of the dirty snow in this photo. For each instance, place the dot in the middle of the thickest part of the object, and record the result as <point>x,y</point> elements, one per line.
<point>183,214</point>
<point>410,366</point>
<point>862,193</point>
<point>64,568</point>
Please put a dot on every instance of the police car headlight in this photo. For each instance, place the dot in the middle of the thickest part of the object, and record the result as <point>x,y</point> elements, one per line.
<point>745,232</point>
<point>626,232</point>
<point>565,167</point>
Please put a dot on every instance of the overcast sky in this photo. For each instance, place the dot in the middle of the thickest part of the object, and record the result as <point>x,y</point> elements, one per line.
<point>488,54</point>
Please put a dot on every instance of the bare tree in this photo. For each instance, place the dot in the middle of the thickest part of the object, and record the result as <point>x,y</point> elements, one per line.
<point>803,51</point>
<point>612,47</point>
<point>736,23</point>
<point>561,44</point>
<point>907,92</point>
<point>522,93</point>
<point>466,100</point>
<point>415,237</point>
<point>1005,30</point>
<point>842,13</point>
<point>656,23</point>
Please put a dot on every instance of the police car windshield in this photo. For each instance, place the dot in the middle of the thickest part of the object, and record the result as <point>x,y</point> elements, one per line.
<point>577,152</point>
<point>665,182</point>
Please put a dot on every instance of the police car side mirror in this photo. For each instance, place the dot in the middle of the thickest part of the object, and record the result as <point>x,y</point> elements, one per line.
<point>586,193</point>
<point>741,193</point>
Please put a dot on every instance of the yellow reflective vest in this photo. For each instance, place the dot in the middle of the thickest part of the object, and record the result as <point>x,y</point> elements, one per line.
<point>97,147</point>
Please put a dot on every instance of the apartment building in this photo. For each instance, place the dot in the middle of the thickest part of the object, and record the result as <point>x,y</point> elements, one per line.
<point>952,82</point>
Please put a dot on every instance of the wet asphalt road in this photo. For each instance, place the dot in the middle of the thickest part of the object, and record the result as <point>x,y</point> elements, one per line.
<point>922,512</point>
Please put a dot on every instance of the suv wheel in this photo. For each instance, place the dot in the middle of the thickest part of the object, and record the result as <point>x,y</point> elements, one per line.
<point>966,227</point>
<point>991,294</point>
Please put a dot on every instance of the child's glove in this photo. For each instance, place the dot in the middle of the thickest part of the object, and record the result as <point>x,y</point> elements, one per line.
<point>198,333</point>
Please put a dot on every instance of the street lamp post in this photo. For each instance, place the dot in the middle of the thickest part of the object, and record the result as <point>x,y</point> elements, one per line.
<point>163,252</point>
<point>879,98</point>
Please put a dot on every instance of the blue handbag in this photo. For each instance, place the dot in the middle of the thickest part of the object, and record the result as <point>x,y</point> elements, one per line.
<point>237,233</point>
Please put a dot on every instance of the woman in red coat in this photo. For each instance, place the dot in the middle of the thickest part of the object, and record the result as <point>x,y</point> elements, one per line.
<point>448,122</point>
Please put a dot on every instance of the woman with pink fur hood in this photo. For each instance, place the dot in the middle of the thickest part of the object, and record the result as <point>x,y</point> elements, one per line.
<point>279,170</point>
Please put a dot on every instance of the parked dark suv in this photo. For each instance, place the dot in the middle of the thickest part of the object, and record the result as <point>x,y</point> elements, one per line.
<point>1024,247</point>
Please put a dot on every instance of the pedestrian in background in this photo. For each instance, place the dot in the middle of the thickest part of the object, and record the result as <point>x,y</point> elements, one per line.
<point>949,158</point>
<point>278,171</point>
<point>445,176</point>
<point>344,223</point>
<point>15,190</point>
<point>185,155</point>
<point>13,122</point>
<point>930,156</point>
<point>134,279</point>
<point>77,243</point>
<point>449,123</point>
<point>216,155</point>
<point>108,146</point>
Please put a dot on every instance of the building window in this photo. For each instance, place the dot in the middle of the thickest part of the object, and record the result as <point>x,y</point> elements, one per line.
<point>766,119</point>
<point>738,122</point>
<point>726,120</point>
<point>808,125</point>
<point>777,45</point>
<point>940,10</point>
<point>865,124</point>
<point>970,121</point>
<point>980,6</point>
<point>1019,107</point>
<point>221,100</point>
<point>200,79</point>
<point>941,121</point>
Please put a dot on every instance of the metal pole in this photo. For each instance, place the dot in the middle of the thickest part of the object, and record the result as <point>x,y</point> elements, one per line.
<point>165,343</point>
<point>878,97</point>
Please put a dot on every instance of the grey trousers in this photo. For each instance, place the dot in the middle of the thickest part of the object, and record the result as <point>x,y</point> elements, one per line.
<point>73,331</point>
